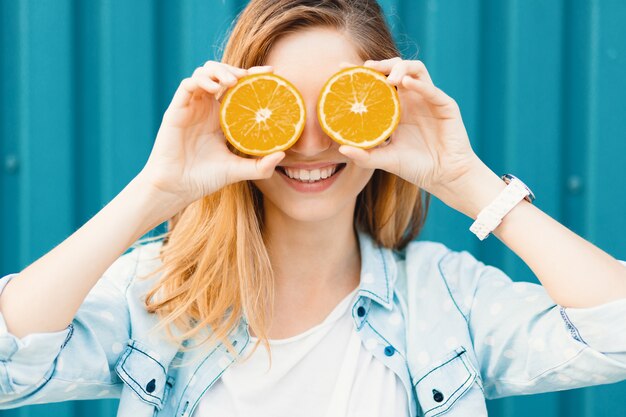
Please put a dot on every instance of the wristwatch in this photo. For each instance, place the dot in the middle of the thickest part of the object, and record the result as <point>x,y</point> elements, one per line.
<point>491,216</point>
<point>509,177</point>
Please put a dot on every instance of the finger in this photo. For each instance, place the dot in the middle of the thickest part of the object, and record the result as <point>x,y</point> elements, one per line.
<point>258,168</point>
<point>209,78</point>
<point>187,88</point>
<point>414,68</point>
<point>369,158</point>
<point>216,74</point>
<point>240,72</point>
<point>427,90</point>
<point>260,69</point>
<point>219,70</point>
<point>220,74</point>
<point>214,81</point>
<point>384,65</point>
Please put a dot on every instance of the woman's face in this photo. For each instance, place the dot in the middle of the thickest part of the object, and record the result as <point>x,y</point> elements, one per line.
<point>307,59</point>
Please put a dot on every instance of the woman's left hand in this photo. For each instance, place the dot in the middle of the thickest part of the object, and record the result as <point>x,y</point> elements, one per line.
<point>430,147</point>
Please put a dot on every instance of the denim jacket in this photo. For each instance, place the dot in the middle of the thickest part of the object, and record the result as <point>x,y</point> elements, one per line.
<point>455,331</point>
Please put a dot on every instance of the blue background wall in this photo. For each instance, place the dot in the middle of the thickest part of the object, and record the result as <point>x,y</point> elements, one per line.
<point>541,85</point>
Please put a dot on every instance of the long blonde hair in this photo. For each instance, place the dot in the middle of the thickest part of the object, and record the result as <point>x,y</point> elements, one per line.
<point>215,266</point>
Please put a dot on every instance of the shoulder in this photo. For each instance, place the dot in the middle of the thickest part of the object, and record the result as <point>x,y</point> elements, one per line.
<point>448,263</point>
<point>427,266</point>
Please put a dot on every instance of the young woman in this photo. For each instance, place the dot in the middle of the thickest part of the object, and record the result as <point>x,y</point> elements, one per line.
<point>360,319</point>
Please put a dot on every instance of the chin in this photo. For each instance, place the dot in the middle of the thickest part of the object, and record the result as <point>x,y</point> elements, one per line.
<point>315,211</point>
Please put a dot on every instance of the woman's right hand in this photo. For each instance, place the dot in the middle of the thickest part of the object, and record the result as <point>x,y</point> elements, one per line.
<point>190,158</point>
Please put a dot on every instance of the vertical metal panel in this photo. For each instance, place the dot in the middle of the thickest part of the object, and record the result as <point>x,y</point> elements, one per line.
<point>45,124</point>
<point>602,59</point>
<point>9,70</point>
<point>128,85</point>
<point>448,36</point>
<point>84,84</point>
<point>607,126</point>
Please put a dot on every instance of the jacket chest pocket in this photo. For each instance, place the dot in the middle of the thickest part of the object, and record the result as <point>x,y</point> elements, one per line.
<point>443,383</point>
<point>142,370</point>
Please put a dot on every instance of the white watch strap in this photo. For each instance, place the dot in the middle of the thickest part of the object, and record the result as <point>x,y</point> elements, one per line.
<point>491,216</point>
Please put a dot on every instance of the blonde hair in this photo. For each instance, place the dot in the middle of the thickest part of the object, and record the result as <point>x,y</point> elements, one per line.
<point>215,266</point>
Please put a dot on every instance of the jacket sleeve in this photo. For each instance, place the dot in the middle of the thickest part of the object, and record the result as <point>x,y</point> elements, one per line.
<point>76,362</point>
<point>526,343</point>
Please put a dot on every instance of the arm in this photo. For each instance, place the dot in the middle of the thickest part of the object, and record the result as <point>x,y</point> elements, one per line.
<point>563,261</point>
<point>431,149</point>
<point>524,342</point>
<point>76,362</point>
<point>64,320</point>
<point>45,296</point>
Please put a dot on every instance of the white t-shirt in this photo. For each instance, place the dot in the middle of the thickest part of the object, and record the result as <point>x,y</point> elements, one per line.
<point>325,364</point>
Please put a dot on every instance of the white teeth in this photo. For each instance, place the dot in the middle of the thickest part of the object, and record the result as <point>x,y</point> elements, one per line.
<point>315,175</point>
<point>312,175</point>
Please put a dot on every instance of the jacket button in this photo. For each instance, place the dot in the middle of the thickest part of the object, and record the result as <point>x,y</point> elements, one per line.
<point>437,396</point>
<point>151,385</point>
<point>360,311</point>
<point>389,350</point>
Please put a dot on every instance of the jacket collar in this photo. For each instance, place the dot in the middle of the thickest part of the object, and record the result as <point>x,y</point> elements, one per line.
<point>378,271</point>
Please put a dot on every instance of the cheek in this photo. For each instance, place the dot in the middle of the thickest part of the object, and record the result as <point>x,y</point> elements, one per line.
<point>356,180</point>
<point>265,185</point>
<point>362,177</point>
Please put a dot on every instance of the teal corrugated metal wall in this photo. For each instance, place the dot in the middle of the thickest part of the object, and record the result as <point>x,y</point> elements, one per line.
<point>541,85</point>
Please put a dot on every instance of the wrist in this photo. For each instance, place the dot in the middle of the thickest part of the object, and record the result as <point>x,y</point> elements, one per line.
<point>158,205</point>
<point>473,191</point>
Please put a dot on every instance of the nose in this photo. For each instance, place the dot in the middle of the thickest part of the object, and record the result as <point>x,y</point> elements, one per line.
<point>313,139</point>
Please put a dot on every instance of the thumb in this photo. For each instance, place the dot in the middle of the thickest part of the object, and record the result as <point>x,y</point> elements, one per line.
<point>375,158</point>
<point>258,168</point>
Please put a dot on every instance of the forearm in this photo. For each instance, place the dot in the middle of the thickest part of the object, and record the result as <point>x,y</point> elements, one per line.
<point>574,272</point>
<point>45,296</point>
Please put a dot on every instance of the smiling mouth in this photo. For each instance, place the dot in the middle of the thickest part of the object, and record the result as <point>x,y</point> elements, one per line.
<point>311,176</point>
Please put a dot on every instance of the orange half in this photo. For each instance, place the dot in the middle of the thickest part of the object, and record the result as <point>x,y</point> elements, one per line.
<point>262,113</point>
<point>357,107</point>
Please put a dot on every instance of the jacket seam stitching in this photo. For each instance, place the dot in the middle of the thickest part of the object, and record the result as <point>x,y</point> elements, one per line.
<point>132,276</point>
<point>382,256</point>
<point>182,394</point>
<point>69,335</point>
<point>382,337</point>
<point>455,391</point>
<point>151,357</point>
<point>138,384</point>
<point>573,330</point>
<point>439,366</point>
<point>455,400</point>
<point>106,384</point>
<point>443,277</point>
<point>362,323</point>
<point>138,393</point>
